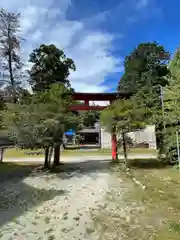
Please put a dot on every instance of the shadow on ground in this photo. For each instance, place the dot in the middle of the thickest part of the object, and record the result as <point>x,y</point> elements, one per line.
<point>68,170</point>
<point>17,197</point>
<point>13,171</point>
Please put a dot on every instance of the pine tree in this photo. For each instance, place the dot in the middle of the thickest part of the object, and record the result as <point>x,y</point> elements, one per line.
<point>42,122</point>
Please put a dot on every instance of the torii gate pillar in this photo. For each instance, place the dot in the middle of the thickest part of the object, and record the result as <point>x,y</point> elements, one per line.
<point>114,147</point>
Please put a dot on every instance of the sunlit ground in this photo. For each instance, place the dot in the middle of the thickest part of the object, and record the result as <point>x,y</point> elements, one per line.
<point>90,201</point>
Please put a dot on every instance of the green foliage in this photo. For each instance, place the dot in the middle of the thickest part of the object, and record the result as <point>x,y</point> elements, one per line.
<point>128,140</point>
<point>23,125</point>
<point>146,66</point>
<point>170,146</point>
<point>122,116</point>
<point>146,71</point>
<point>148,105</point>
<point>2,108</point>
<point>172,108</point>
<point>89,118</point>
<point>174,67</point>
<point>50,65</point>
<point>42,122</point>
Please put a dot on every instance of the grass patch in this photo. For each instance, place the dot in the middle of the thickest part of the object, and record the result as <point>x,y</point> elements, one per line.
<point>8,167</point>
<point>82,152</point>
<point>18,153</point>
<point>175,227</point>
<point>161,197</point>
<point>16,167</point>
<point>142,151</point>
<point>133,213</point>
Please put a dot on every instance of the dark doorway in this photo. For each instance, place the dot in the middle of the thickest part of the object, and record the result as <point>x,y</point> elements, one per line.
<point>90,138</point>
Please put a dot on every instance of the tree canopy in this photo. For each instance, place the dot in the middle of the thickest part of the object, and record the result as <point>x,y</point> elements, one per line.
<point>172,107</point>
<point>42,123</point>
<point>146,66</point>
<point>49,65</point>
<point>89,118</point>
<point>122,116</point>
<point>145,73</point>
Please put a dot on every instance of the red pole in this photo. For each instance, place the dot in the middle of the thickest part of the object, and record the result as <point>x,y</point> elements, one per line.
<point>114,147</point>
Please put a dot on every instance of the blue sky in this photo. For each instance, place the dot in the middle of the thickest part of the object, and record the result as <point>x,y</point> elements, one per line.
<point>97,34</point>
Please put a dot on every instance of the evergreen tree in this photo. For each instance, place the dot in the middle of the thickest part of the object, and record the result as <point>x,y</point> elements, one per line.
<point>42,122</point>
<point>50,65</point>
<point>146,71</point>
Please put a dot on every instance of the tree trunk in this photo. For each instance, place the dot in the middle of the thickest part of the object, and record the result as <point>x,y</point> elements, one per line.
<point>124,148</point>
<point>1,154</point>
<point>56,154</point>
<point>46,160</point>
<point>10,67</point>
<point>160,138</point>
<point>50,155</point>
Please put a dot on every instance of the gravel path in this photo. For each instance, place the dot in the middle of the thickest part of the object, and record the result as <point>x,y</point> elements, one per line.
<point>57,205</point>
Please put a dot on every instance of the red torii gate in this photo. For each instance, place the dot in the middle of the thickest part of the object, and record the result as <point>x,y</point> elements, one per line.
<point>87,97</point>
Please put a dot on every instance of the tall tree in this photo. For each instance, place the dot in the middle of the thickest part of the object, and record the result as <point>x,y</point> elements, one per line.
<point>146,70</point>
<point>10,44</point>
<point>174,68</point>
<point>172,108</point>
<point>50,65</point>
<point>58,99</point>
<point>146,66</point>
<point>42,122</point>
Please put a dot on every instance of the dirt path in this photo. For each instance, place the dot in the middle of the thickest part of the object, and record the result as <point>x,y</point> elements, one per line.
<point>85,158</point>
<point>63,205</point>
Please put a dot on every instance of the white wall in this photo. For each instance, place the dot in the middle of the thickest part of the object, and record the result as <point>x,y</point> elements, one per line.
<point>146,135</point>
<point>105,139</point>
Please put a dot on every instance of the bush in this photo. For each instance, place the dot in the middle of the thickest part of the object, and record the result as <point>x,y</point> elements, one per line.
<point>170,147</point>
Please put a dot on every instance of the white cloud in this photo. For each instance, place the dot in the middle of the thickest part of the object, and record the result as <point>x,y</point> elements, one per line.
<point>94,62</point>
<point>90,48</point>
<point>43,22</point>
